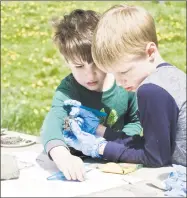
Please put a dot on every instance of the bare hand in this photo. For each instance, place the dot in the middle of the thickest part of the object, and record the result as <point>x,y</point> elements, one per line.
<point>71,166</point>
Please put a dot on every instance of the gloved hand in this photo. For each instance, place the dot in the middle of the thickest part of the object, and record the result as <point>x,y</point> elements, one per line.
<point>85,142</point>
<point>71,140</point>
<point>90,121</point>
<point>89,115</point>
<point>68,104</point>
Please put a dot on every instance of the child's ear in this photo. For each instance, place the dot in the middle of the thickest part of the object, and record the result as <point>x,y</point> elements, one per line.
<point>150,51</point>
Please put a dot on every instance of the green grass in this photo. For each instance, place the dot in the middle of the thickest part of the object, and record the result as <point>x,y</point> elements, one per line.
<point>32,67</point>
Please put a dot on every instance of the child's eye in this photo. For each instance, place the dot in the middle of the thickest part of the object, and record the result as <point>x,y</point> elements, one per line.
<point>125,72</point>
<point>79,66</point>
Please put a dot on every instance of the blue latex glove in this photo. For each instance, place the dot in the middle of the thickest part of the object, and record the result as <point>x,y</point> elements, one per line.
<point>68,104</point>
<point>91,121</point>
<point>71,140</point>
<point>69,137</point>
<point>176,182</point>
<point>82,141</point>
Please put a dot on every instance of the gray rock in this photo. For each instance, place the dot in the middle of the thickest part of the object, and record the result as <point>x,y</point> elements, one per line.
<point>9,167</point>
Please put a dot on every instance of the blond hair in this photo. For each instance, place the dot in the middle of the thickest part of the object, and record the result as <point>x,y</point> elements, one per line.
<point>122,32</point>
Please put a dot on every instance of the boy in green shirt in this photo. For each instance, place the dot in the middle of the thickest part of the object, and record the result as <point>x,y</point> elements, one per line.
<point>87,84</point>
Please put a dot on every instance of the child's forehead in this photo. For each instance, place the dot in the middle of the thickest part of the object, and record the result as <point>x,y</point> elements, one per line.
<point>75,60</point>
<point>120,66</point>
<point>78,61</point>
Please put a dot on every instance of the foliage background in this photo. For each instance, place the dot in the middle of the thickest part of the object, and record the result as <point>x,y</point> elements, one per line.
<point>31,67</point>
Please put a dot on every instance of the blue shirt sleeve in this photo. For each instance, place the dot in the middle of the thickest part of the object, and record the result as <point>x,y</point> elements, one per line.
<point>158,114</point>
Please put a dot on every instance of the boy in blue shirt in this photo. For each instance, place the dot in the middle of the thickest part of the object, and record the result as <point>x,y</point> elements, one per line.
<point>125,44</point>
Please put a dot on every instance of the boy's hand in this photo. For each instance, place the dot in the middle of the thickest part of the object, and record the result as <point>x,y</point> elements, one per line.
<point>71,166</point>
<point>87,143</point>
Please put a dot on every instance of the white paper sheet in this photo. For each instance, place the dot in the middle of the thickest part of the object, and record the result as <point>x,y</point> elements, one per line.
<point>33,180</point>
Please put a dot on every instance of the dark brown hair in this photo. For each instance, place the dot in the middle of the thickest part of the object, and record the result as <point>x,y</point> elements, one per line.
<point>73,34</point>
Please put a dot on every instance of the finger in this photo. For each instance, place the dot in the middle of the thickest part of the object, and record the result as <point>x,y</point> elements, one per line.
<point>75,111</point>
<point>72,103</point>
<point>72,173</point>
<point>81,112</point>
<point>80,174</point>
<point>79,120</point>
<point>67,174</point>
<point>80,171</point>
<point>75,128</point>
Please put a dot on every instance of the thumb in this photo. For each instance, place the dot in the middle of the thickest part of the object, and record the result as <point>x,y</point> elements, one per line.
<point>72,103</point>
<point>68,104</point>
<point>80,121</point>
<point>74,111</point>
<point>75,128</point>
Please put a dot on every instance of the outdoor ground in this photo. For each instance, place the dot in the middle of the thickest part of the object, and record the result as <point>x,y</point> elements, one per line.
<point>32,67</point>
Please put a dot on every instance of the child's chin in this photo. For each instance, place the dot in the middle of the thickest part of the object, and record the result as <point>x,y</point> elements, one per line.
<point>94,88</point>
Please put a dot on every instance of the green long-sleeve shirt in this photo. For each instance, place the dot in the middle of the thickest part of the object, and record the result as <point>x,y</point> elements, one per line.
<point>120,106</point>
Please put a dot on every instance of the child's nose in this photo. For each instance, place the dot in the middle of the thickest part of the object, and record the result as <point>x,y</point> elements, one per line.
<point>118,83</point>
<point>90,72</point>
